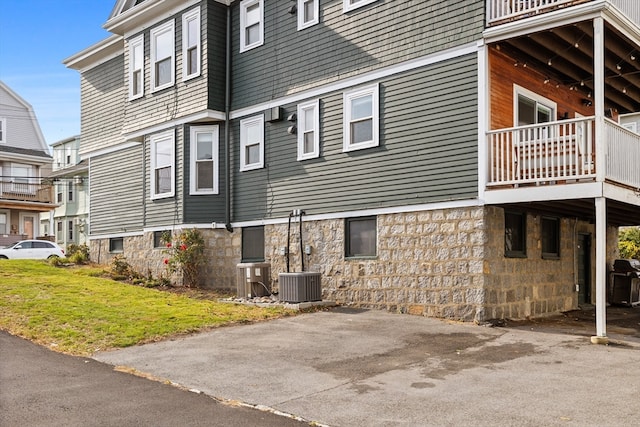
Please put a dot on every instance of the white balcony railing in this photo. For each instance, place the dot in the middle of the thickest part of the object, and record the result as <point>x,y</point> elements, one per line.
<point>562,152</point>
<point>544,153</point>
<point>500,10</point>
<point>623,155</point>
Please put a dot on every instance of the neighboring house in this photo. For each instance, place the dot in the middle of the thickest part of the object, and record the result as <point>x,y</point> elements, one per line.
<point>24,161</point>
<point>69,221</point>
<point>452,158</point>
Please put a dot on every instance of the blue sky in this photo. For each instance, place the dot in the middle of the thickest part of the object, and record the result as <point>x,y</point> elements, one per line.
<point>35,37</point>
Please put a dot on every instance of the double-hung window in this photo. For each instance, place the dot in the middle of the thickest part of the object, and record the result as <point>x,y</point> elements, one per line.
<point>308,13</point>
<point>71,191</point>
<point>162,165</point>
<point>361,118</point>
<point>308,130</point>
<point>204,160</point>
<point>3,130</point>
<point>70,230</point>
<point>252,143</point>
<point>191,44</point>
<point>136,67</point>
<point>251,24</point>
<point>162,56</point>
<point>348,5</point>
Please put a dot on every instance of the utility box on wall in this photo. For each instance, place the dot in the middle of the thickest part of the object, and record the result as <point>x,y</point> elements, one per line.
<point>299,287</point>
<point>253,279</point>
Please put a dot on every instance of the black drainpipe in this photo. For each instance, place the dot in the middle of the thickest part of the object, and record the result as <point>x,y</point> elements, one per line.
<point>227,130</point>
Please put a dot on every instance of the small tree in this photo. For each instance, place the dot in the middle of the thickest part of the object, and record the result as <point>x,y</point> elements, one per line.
<point>185,255</point>
<point>629,242</point>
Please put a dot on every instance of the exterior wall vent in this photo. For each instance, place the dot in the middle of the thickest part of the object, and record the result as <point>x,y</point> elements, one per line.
<point>253,279</point>
<point>299,287</point>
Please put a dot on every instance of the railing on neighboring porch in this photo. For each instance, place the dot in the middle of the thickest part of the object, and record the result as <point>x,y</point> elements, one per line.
<point>26,192</point>
<point>501,10</point>
<point>561,152</point>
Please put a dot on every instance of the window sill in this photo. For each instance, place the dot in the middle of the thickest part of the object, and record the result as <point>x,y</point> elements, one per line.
<point>360,257</point>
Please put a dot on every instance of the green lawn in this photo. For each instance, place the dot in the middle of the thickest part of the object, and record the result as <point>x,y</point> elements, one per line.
<point>74,310</point>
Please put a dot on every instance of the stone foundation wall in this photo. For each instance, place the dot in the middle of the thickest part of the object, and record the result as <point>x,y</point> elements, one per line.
<point>222,252</point>
<point>428,263</point>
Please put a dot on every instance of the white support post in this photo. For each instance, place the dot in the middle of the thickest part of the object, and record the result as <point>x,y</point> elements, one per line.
<point>601,271</point>
<point>600,202</point>
<point>598,87</point>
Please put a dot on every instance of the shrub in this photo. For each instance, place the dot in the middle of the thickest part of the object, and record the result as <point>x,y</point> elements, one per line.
<point>185,255</point>
<point>121,270</point>
<point>78,254</point>
<point>629,242</point>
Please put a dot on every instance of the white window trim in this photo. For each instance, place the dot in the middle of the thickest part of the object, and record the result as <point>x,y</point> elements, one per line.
<point>195,130</point>
<point>3,123</point>
<point>133,44</point>
<point>315,106</point>
<point>8,223</point>
<point>193,15</point>
<point>168,135</point>
<point>244,5</point>
<point>347,7</point>
<point>301,24</point>
<point>519,90</point>
<point>155,32</point>
<point>346,126</point>
<point>244,124</point>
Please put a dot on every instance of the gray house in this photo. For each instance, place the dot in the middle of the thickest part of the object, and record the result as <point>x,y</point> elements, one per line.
<point>456,159</point>
<point>24,161</point>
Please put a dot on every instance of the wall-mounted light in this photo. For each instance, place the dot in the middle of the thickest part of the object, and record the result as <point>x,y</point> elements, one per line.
<point>587,102</point>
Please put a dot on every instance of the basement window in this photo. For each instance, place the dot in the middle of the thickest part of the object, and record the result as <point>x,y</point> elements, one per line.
<point>253,244</point>
<point>116,244</point>
<point>550,238</point>
<point>361,237</point>
<point>515,230</point>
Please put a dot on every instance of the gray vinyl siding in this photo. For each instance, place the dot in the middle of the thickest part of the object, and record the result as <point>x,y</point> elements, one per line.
<point>102,92</point>
<point>216,28</point>
<point>343,45</point>
<point>427,152</point>
<point>116,186</point>
<point>184,97</point>
<point>166,211</point>
<point>204,208</point>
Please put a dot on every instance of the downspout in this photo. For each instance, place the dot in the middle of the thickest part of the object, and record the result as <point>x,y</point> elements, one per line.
<point>227,130</point>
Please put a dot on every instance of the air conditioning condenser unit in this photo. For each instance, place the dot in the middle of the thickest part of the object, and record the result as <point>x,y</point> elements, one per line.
<point>299,287</point>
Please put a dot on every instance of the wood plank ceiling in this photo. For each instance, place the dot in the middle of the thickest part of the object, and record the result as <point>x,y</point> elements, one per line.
<point>565,55</point>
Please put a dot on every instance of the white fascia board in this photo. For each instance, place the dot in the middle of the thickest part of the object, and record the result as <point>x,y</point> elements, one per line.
<point>470,203</point>
<point>96,54</point>
<point>25,158</point>
<point>115,235</point>
<point>360,79</point>
<point>145,15</point>
<point>622,194</point>
<point>544,193</point>
<point>545,21</point>
<point>206,115</point>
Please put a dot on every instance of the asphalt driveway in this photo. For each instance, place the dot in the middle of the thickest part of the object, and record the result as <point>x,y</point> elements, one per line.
<point>345,367</point>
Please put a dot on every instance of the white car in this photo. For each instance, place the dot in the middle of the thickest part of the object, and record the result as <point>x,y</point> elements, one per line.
<point>32,249</point>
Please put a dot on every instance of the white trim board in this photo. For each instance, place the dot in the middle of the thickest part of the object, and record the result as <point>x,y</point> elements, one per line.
<point>363,78</point>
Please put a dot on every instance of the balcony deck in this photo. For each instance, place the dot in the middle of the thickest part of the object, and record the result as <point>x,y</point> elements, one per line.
<point>562,152</point>
<point>501,11</point>
<point>25,192</point>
